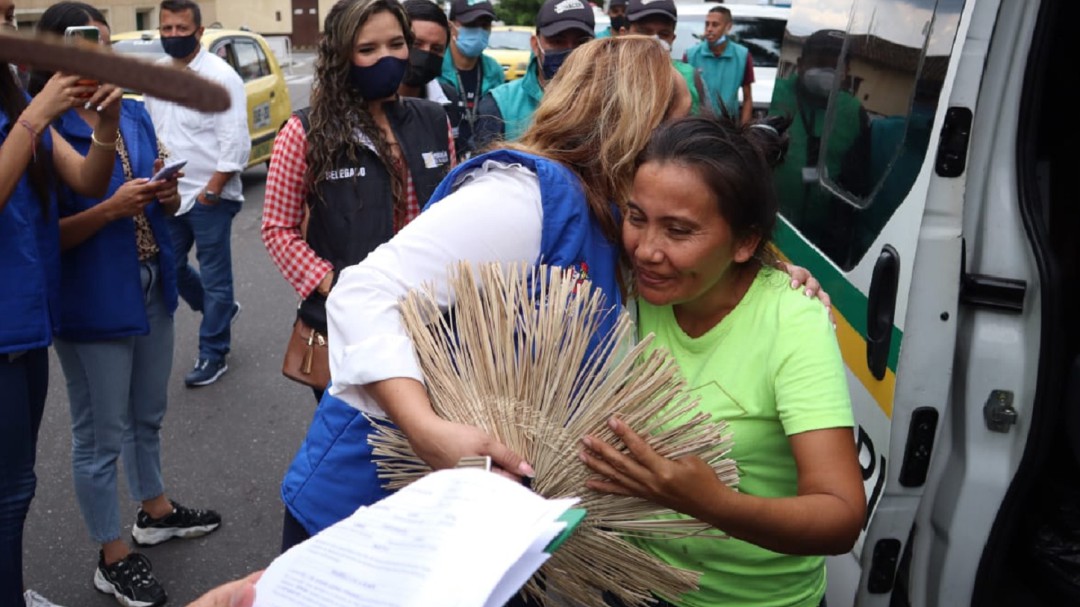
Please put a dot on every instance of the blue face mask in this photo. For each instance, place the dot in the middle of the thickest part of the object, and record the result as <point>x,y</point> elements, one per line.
<point>472,41</point>
<point>719,41</point>
<point>553,60</point>
<point>379,80</point>
<point>179,47</point>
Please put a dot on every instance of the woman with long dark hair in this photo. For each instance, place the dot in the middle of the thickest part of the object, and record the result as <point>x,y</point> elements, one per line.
<point>360,163</point>
<point>115,342</point>
<point>32,160</point>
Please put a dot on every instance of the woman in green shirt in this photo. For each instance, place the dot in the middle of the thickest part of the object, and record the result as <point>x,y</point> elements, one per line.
<point>760,355</point>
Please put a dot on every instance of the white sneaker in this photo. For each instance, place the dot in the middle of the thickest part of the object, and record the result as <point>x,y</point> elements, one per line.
<point>34,599</point>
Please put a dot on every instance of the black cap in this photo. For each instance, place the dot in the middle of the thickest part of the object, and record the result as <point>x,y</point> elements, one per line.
<point>557,16</point>
<point>467,11</point>
<point>639,9</point>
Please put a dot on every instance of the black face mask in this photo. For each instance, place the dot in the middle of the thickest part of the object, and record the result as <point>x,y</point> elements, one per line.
<point>180,47</point>
<point>618,23</point>
<point>423,67</point>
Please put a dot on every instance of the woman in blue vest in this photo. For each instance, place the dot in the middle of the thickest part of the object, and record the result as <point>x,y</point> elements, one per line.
<point>115,341</point>
<point>31,161</point>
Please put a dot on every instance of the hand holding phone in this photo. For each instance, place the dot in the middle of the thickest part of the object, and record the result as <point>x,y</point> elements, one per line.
<point>169,170</point>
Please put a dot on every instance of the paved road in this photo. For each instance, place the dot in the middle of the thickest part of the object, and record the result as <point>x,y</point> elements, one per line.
<point>225,446</point>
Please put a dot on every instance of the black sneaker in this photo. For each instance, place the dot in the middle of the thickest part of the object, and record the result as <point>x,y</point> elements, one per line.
<point>182,523</point>
<point>131,581</point>
<point>206,372</point>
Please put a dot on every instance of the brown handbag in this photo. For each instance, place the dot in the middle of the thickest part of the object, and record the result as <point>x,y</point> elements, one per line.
<point>307,359</point>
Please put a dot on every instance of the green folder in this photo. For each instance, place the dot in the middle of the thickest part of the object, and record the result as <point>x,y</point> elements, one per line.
<point>572,518</point>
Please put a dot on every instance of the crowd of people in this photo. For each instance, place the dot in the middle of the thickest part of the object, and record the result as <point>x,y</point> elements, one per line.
<point>414,155</point>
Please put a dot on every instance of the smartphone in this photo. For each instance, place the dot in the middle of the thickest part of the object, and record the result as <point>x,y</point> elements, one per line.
<point>90,34</point>
<point>169,170</point>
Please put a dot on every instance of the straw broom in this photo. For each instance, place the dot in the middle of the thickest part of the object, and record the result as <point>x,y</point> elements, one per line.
<point>513,357</point>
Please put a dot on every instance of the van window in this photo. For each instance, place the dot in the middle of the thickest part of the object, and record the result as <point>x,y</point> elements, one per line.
<point>862,88</point>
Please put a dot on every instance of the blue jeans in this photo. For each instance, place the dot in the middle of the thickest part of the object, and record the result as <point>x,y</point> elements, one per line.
<point>210,288</point>
<point>23,383</point>
<point>118,392</point>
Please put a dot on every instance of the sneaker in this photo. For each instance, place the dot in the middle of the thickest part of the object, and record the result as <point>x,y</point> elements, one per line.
<point>33,599</point>
<point>236,311</point>
<point>206,372</point>
<point>131,581</point>
<point>182,523</point>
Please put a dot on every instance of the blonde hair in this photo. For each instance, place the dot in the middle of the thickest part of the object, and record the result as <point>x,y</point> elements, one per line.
<point>597,115</point>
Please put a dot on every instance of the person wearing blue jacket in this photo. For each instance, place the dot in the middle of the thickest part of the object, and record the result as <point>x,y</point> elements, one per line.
<point>31,162</point>
<point>118,290</point>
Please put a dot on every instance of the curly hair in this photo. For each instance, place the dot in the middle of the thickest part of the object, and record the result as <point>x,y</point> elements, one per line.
<point>338,112</point>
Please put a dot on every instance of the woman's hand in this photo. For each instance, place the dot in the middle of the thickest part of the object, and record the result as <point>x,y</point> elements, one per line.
<point>131,198</point>
<point>61,93</point>
<point>442,444</point>
<point>677,484</point>
<point>800,277</point>
<point>106,100</point>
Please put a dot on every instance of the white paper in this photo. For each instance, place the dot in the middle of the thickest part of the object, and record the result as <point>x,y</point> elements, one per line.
<point>456,538</point>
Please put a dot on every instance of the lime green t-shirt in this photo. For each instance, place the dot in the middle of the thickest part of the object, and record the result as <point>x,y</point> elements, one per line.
<point>771,369</point>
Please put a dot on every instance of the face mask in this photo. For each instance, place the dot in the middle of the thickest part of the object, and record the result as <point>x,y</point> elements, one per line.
<point>553,60</point>
<point>618,23</point>
<point>663,43</point>
<point>380,80</point>
<point>719,41</point>
<point>423,67</point>
<point>180,47</point>
<point>472,41</point>
<point>819,81</point>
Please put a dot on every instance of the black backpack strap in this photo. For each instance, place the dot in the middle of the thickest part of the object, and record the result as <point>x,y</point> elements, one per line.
<point>305,118</point>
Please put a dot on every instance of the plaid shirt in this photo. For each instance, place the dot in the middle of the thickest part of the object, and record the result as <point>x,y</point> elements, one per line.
<point>283,209</point>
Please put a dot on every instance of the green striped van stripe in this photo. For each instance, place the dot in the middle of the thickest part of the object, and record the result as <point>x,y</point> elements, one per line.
<point>846,298</point>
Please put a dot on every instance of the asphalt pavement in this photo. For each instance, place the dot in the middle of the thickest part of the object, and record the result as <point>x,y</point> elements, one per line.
<point>224,446</point>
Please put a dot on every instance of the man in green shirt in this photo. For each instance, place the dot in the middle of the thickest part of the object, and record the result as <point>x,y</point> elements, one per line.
<point>657,18</point>
<point>466,67</point>
<point>726,66</point>
<point>561,27</point>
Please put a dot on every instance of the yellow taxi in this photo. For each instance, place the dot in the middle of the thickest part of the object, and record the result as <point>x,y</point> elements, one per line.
<point>509,45</point>
<point>251,57</point>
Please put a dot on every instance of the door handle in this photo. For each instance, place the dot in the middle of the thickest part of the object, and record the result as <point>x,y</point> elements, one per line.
<point>881,310</point>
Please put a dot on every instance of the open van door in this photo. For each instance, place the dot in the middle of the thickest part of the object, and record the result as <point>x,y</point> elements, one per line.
<point>871,196</point>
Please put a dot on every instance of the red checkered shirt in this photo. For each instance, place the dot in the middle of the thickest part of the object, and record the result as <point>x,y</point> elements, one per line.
<point>283,209</point>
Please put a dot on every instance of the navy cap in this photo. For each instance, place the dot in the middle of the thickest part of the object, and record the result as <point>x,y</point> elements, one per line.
<point>557,16</point>
<point>467,11</point>
<point>639,9</point>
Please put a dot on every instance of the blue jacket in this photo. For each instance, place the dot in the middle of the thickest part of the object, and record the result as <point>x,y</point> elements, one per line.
<point>333,473</point>
<point>29,261</point>
<point>99,278</point>
<point>517,101</point>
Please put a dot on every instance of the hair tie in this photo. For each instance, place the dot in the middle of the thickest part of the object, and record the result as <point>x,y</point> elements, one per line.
<point>767,127</point>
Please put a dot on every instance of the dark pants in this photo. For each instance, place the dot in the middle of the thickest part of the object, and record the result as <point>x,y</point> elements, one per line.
<point>210,288</point>
<point>23,384</point>
<point>292,532</point>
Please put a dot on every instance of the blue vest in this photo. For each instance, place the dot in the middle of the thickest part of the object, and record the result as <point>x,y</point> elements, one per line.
<point>29,261</point>
<point>723,75</point>
<point>518,101</point>
<point>99,278</point>
<point>333,473</point>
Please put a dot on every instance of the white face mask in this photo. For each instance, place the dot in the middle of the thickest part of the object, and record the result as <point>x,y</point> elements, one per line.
<point>663,43</point>
<point>819,81</point>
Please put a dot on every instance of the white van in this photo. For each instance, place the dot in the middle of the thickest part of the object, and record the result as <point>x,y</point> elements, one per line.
<point>924,187</point>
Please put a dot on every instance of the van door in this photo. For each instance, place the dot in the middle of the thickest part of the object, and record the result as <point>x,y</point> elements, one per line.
<point>871,196</point>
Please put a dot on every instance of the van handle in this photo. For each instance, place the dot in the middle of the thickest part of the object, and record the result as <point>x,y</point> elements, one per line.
<point>880,311</point>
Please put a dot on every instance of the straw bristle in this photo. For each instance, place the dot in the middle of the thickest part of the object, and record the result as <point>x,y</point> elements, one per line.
<point>513,357</point>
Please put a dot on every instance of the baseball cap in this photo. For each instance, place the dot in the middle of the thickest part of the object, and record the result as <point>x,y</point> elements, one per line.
<point>617,3</point>
<point>557,16</point>
<point>467,11</point>
<point>639,9</point>
<point>824,42</point>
